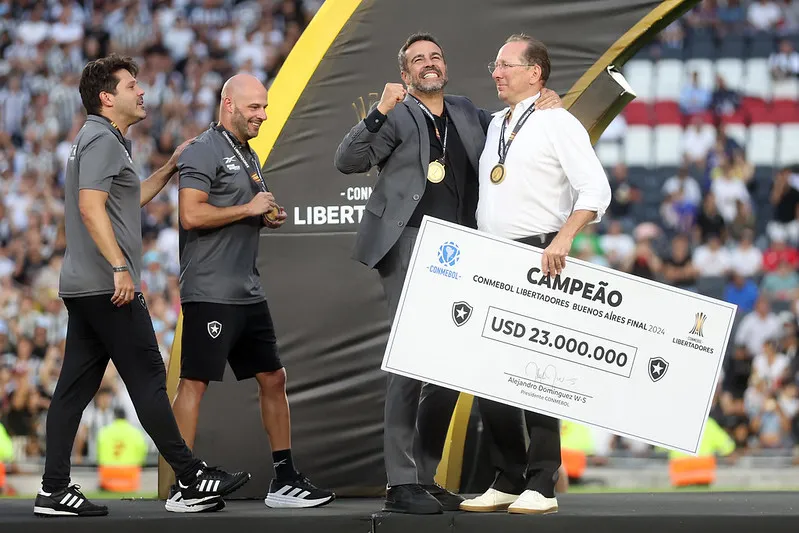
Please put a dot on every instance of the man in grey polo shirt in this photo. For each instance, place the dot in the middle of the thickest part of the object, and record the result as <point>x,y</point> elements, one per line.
<point>108,316</point>
<point>224,204</point>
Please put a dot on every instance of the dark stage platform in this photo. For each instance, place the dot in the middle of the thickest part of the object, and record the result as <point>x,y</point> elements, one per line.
<point>595,513</point>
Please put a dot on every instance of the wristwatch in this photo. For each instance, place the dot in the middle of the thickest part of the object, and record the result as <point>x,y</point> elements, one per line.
<point>123,268</point>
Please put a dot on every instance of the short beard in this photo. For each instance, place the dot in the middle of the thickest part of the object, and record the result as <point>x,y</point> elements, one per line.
<point>240,125</point>
<point>436,87</point>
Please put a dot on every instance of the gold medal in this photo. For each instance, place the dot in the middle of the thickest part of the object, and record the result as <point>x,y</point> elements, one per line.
<point>435,172</point>
<point>497,173</point>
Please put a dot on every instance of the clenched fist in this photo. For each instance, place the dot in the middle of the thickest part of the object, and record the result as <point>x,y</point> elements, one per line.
<point>393,93</point>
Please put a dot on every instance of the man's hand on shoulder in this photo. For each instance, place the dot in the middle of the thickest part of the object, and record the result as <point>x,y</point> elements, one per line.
<point>173,161</point>
<point>549,99</point>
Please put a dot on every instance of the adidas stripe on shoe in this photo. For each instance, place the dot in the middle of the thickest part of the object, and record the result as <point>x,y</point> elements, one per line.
<point>175,503</point>
<point>296,493</point>
<point>66,502</point>
<point>209,485</point>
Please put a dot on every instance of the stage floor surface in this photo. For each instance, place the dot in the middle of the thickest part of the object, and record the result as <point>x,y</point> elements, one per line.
<point>730,512</point>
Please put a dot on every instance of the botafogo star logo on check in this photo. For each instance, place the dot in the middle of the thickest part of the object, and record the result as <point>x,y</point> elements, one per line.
<point>461,312</point>
<point>657,368</point>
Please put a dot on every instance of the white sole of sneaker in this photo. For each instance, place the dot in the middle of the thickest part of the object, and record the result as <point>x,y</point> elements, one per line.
<point>287,502</point>
<point>46,511</point>
<point>182,507</point>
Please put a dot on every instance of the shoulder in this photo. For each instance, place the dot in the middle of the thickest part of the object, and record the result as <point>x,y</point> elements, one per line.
<point>204,148</point>
<point>93,134</point>
<point>459,100</point>
<point>560,120</point>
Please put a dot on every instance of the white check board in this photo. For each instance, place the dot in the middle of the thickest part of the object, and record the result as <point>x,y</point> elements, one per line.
<point>594,345</point>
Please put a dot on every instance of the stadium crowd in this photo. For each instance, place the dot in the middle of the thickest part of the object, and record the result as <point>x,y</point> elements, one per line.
<point>717,226</point>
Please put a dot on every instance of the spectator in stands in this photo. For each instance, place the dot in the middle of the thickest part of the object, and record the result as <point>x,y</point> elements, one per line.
<point>98,415</point>
<point>616,244</point>
<point>741,291</point>
<point>703,18</point>
<point>673,35</point>
<point>784,64</point>
<point>697,142</point>
<point>712,260</point>
<point>684,182</point>
<point>763,15</point>
<point>790,16</point>
<point>779,252</point>
<point>785,199</point>
<point>678,268</point>
<point>728,191</point>
<point>758,326</point>
<point>624,196</point>
<point>643,262</point>
<point>724,101</point>
<point>694,98</point>
<point>781,285</point>
<point>731,19</point>
<point>746,258</point>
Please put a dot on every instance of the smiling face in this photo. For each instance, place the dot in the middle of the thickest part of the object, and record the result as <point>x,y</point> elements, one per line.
<point>514,77</point>
<point>244,101</point>
<point>425,70</point>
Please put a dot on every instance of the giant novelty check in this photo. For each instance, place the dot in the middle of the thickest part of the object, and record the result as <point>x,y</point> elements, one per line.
<point>593,345</point>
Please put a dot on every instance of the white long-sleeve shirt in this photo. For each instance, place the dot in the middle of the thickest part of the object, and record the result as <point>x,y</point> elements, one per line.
<point>551,171</point>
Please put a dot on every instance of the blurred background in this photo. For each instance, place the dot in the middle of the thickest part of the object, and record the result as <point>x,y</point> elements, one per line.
<point>703,165</point>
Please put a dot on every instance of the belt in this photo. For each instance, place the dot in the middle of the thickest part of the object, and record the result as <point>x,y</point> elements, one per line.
<point>538,239</point>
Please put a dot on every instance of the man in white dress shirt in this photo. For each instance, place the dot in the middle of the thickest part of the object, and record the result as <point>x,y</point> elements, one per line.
<point>540,183</point>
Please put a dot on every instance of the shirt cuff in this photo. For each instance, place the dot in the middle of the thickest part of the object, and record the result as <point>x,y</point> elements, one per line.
<point>374,121</point>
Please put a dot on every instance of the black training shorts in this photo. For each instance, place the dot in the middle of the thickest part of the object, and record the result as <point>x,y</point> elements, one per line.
<point>214,333</point>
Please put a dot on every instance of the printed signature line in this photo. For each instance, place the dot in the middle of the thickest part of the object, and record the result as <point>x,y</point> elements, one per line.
<point>547,384</point>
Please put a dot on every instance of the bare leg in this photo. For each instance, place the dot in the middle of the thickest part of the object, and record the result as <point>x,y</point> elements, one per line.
<point>186,407</point>
<point>275,412</point>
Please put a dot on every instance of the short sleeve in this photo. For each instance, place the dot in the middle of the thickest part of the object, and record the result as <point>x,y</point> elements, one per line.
<point>196,167</point>
<point>100,162</point>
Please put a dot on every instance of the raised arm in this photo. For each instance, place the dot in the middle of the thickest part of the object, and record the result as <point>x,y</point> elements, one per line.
<point>372,140</point>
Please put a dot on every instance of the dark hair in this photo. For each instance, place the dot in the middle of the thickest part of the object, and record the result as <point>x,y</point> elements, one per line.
<point>416,37</point>
<point>535,54</point>
<point>100,76</point>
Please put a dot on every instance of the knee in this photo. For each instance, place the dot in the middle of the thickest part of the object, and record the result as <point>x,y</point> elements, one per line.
<point>192,390</point>
<point>272,383</point>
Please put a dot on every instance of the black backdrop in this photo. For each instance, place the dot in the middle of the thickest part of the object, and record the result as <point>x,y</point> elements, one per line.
<point>331,320</point>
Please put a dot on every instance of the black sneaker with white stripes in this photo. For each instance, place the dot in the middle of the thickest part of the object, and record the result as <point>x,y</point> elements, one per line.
<point>176,504</point>
<point>210,484</point>
<point>296,493</point>
<point>66,502</point>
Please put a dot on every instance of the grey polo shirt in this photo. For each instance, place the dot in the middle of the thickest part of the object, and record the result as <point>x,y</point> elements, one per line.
<point>100,160</point>
<point>220,265</point>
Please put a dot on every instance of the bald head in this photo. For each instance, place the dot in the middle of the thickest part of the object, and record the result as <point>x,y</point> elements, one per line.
<point>242,108</point>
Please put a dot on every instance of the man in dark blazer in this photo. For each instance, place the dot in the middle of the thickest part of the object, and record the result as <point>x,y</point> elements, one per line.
<point>426,146</point>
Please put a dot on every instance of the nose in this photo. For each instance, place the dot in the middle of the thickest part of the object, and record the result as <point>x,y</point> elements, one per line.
<point>261,114</point>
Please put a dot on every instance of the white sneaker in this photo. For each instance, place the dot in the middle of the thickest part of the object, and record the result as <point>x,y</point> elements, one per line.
<point>488,502</point>
<point>532,502</point>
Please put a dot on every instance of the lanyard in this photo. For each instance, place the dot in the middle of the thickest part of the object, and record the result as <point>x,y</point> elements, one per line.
<point>503,148</point>
<point>256,176</point>
<point>435,126</point>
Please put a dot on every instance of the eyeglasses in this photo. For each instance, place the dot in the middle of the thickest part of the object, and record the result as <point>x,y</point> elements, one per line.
<point>494,65</point>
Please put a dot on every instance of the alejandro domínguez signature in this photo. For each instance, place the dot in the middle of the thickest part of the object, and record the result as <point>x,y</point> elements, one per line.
<point>548,375</point>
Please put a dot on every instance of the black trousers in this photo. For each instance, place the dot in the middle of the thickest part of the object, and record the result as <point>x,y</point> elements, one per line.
<point>96,332</point>
<point>518,466</point>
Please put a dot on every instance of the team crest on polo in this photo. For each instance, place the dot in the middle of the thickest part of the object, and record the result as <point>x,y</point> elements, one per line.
<point>214,329</point>
<point>461,313</point>
<point>657,368</point>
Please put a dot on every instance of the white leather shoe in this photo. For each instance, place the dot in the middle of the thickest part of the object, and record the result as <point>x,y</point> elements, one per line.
<point>532,502</point>
<point>488,502</point>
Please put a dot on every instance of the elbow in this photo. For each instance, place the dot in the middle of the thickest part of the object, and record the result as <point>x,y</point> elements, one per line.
<point>88,213</point>
<point>187,221</point>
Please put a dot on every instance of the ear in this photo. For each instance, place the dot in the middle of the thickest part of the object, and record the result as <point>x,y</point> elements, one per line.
<point>535,74</point>
<point>106,99</point>
<point>406,77</point>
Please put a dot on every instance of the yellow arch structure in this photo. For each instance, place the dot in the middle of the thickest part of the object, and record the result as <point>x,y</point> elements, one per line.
<point>286,90</point>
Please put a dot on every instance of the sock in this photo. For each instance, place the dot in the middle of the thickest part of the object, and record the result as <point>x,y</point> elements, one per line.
<point>284,466</point>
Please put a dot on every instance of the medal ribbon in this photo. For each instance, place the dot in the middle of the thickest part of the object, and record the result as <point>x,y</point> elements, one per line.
<point>256,175</point>
<point>503,148</point>
<point>435,126</point>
